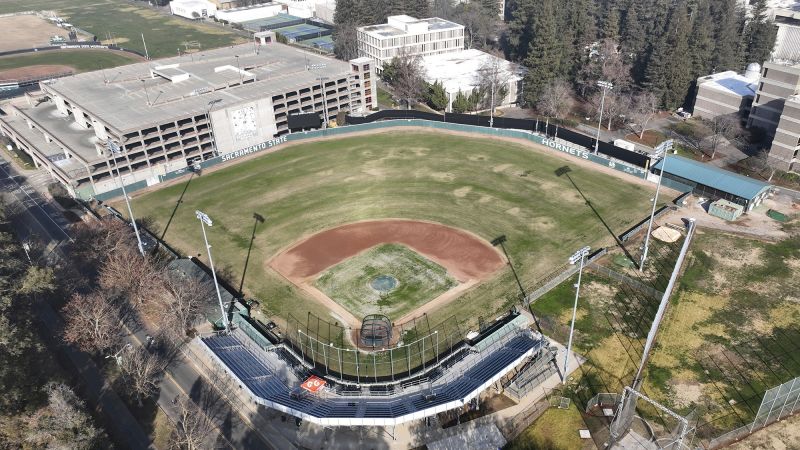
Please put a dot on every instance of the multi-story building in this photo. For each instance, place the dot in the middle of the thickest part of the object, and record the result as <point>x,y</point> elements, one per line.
<point>726,93</point>
<point>778,85</point>
<point>168,114</point>
<point>422,37</point>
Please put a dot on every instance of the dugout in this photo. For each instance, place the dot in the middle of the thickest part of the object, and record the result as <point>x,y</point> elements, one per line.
<point>687,175</point>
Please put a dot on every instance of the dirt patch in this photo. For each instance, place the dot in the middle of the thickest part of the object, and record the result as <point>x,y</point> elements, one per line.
<point>27,31</point>
<point>687,393</point>
<point>462,191</point>
<point>43,70</point>
<point>466,257</point>
<point>783,435</point>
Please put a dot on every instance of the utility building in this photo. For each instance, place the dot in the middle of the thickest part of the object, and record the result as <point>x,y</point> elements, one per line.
<point>168,114</point>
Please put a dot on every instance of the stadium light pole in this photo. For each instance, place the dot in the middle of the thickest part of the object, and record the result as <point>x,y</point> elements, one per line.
<point>322,86</point>
<point>205,220</point>
<point>580,255</point>
<point>663,148</point>
<point>115,150</point>
<point>606,86</point>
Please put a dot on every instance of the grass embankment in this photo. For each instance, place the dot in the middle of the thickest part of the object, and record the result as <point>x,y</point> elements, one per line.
<point>165,34</point>
<point>730,332</point>
<point>486,186</point>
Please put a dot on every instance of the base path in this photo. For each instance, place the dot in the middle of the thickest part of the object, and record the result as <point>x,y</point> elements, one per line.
<point>465,256</point>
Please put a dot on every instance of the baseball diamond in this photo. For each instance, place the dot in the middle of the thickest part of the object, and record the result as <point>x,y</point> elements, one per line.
<point>319,195</point>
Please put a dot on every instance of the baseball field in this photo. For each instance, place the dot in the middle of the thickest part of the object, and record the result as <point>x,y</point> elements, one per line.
<point>473,188</point>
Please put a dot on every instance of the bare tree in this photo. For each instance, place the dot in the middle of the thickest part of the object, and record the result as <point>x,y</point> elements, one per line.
<point>556,101</point>
<point>63,423</point>
<point>615,107</point>
<point>406,78</point>
<point>141,371</point>
<point>92,322</point>
<point>492,81</point>
<point>761,162</point>
<point>128,273</point>
<point>479,23</point>
<point>179,310</point>
<point>644,108</point>
<point>721,129</point>
<point>192,428</point>
<point>613,67</point>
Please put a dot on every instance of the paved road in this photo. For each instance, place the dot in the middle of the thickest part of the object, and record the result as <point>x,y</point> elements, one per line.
<point>34,223</point>
<point>44,221</point>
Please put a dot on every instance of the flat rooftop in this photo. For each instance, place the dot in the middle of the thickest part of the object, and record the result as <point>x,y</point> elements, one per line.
<point>730,82</point>
<point>459,70</point>
<point>185,85</point>
<point>386,30</point>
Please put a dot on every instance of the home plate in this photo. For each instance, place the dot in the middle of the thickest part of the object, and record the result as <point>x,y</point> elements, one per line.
<point>585,434</point>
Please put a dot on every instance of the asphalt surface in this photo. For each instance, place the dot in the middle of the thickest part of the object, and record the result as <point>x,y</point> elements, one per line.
<point>39,219</point>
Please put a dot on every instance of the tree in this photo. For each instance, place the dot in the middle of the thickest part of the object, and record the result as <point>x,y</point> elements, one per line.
<point>141,371</point>
<point>612,65</point>
<point>461,103</point>
<point>759,33</point>
<point>192,426</point>
<point>180,308</point>
<point>556,101</point>
<point>63,423</point>
<point>345,42</point>
<point>479,23</point>
<point>437,96</point>
<point>644,107</point>
<point>544,52</point>
<point>721,129</point>
<point>406,77</point>
<point>133,276</point>
<point>615,106</point>
<point>492,81</point>
<point>92,322</point>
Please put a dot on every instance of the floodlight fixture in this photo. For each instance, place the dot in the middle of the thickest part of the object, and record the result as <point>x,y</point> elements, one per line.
<point>606,86</point>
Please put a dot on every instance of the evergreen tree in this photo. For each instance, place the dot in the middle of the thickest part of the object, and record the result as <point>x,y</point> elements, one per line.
<point>520,29</point>
<point>611,24</point>
<point>701,45</point>
<point>544,54</point>
<point>493,6</point>
<point>726,16</point>
<point>437,96</point>
<point>678,70</point>
<point>633,39</point>
<point>461,103</point>
<point>759,34</point>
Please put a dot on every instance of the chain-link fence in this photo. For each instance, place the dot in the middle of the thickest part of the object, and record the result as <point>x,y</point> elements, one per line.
<point>778,403</point>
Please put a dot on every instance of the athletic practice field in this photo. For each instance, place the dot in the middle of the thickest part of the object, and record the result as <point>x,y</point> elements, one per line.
<point>476,188</point>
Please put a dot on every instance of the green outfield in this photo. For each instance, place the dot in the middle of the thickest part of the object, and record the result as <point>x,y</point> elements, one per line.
<point>80,60</point>
<point>126,21</point>
<point>418,280</point>
<point>483,185</point>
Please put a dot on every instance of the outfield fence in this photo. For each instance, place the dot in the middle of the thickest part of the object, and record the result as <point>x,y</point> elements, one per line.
<point>555,144</point>
<point>779,402</point>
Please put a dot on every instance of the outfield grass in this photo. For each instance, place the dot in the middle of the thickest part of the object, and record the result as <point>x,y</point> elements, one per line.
<point>486,186</point>
<point>419,280</point>
<point>127,21</point>
<point>80,60</point>
<point>556,429</point>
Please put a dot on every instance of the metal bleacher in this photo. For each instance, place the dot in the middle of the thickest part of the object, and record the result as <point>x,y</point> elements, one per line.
<point>463,380</point>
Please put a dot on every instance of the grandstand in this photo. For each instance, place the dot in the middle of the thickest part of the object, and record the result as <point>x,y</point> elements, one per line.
<point>273,378</point>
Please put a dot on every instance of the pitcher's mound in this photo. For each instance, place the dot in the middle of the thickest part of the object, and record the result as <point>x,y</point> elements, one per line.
<point>665,234</point>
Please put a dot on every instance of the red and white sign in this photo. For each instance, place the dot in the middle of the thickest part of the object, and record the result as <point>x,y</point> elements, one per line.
<point>313,384</point>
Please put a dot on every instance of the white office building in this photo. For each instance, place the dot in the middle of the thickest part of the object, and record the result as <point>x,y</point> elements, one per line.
<point>433,36</point>
<point>461,72</point>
